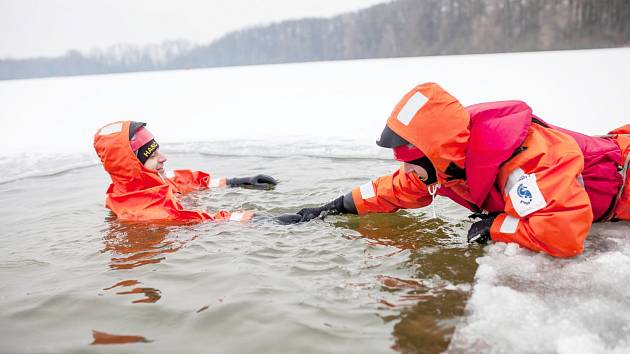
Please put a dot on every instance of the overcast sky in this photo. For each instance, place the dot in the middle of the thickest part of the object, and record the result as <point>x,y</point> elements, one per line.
<point>31,28</point>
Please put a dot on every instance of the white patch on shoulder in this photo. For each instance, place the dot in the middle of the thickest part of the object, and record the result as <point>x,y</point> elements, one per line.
<point>170,174</point>
<point>111,129</point>
<point>526,196</point>
<point>367,190</point>
<point>509,225</point>
<point>409,110</point>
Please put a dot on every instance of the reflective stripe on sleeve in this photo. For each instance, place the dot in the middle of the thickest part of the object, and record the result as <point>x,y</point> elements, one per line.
<point>241,216</point>
<point>236,216</point>
<point>367,190</point>
<point>217,182</point>
<point>509,225</point>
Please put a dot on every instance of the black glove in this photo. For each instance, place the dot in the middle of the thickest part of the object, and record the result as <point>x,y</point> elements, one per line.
<point>256,182</point>
<point>341,205</point>
<point>287,219</point>
<point>483,216</point>
<point>480,231</point>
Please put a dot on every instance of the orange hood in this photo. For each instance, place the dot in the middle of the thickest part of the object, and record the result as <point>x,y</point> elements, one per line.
<point>434,121</point>
<point>111,143</point>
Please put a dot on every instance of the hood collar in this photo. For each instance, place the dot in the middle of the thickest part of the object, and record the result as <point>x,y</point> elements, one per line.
<point>111,143</point>
<point>434,121</point>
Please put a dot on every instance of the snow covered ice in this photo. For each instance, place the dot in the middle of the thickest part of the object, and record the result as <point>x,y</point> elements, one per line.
<point>533,303</point>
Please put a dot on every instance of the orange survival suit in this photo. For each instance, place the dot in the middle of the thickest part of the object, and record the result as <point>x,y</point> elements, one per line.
<point>534,183</point>
<point>141,194</point>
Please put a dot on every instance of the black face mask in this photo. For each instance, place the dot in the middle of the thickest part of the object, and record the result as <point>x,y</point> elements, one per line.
<point>425,163</point>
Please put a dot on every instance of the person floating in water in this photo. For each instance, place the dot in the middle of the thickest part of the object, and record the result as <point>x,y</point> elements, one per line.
<point>141,190</point>
<point>528,181</point>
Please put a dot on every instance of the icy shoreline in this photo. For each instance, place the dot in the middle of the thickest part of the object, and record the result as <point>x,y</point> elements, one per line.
<point>525,302</point>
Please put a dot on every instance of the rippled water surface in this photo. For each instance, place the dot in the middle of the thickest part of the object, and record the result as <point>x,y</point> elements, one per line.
<point>71,274</point>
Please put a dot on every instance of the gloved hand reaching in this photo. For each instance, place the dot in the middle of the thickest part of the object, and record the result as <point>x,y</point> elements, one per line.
<point>480,231</point>
<point>341,205</point>
<point>334,207</point>
<point>255,182</point>
<point>286,219</point>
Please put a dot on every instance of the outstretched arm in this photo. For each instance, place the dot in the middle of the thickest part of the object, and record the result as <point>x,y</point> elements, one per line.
<point>383,195</point>
<point>389,193</point>
<point>187,180</point>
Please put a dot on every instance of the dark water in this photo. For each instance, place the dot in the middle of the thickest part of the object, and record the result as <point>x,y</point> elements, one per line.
<point>381,283</point>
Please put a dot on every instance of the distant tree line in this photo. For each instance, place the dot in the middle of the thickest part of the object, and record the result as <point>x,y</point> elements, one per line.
<point>115,59</point>
<point>396,29</point>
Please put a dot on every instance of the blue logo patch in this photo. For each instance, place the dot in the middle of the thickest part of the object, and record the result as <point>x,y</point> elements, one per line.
<point>524,194</point>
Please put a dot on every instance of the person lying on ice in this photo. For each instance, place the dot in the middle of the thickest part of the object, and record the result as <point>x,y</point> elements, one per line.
<point>529,182</point>
<point>142,191</point>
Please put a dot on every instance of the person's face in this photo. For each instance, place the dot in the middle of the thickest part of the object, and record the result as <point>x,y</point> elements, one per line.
<point>418,170</point>
<point>156,162</point>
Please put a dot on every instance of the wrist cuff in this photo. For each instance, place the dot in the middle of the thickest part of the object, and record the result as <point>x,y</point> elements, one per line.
<point>217,182</point>
<point>348,204</point>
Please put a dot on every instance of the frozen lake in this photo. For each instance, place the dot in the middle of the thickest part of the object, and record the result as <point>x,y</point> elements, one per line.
<point>313,126</point>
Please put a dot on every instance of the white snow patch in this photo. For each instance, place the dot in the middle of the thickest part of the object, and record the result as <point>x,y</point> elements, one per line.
<point>525,302</point>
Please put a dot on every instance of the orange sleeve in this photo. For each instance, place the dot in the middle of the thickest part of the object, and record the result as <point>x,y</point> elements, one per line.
<point>187,181</point>
<point>389,193</point>
<point>547,208</point>
<point>159,203</point>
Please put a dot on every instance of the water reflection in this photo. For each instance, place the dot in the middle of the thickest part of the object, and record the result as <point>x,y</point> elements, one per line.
<point>399,230</point>
<point>106,338</point>
<point>432,302</point>
<point>133,245</point>
<point>151,294</point>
